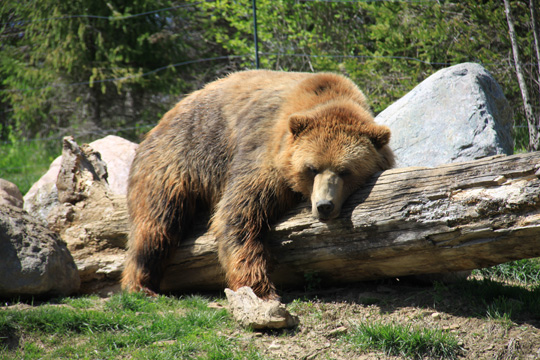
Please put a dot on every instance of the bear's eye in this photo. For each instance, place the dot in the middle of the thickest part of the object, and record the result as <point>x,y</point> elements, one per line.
<point>344,172</point>
<point>312,169</point>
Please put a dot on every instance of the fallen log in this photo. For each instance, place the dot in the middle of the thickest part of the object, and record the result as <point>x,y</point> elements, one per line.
<point>405,221</point>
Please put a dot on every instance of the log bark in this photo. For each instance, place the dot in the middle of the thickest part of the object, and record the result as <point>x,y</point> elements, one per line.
<point>405,221</point>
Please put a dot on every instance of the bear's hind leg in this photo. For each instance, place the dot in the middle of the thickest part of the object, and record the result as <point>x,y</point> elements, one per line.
<point>158,221</point>
<point>144,262</point>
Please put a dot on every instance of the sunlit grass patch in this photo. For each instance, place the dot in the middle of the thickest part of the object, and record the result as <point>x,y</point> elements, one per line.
<point>403,340</point>
<point>526,272</point>
<point>124,326</point>
<point>24,162</point>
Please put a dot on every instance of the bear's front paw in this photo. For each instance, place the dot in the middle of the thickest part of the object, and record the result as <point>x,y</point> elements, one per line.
<point>264,291</point>
<point>270,296</point>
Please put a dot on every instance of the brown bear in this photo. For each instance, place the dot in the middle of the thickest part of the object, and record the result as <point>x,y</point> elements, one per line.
<point>246,148</point>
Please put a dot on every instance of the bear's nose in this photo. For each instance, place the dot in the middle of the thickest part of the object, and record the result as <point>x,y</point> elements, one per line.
<point>325,208</point>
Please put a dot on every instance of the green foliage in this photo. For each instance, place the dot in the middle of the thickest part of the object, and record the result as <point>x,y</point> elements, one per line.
<point>57,66</point>
<point>387,47</point>
<point>500,301</point>
<point>24,162</point>
<point>127,325</point>
<point>82,302</point>
<point>501,310</point>
<point>526,271</point>
<point>403,340</point>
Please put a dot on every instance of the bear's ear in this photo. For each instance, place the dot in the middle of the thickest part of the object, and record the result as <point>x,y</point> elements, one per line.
<point>298,123</point>
<point>378,134</point>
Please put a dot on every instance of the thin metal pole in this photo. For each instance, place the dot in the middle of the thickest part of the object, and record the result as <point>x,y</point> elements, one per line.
<point>255,38</point>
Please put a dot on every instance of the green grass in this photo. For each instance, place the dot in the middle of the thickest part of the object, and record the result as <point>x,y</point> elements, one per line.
<point>525,272</point>
<point>125,326</point>
<point>24,162</point>
<point>403,340</point>
<point>508,291</point>
<point>501,301</point>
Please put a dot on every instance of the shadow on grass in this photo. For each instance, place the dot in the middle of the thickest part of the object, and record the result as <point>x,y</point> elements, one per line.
<point>483,299</point>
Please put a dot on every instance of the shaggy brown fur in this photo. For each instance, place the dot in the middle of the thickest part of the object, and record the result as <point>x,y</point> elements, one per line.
<point>245,147</point>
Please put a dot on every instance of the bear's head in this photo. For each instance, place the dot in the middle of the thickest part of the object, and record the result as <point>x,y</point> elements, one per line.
<point>335,150</point>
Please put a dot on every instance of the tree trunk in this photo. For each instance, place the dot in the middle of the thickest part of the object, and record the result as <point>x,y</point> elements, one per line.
<point>405,221</point>
<point>536,36</point>
<point>534,139</point>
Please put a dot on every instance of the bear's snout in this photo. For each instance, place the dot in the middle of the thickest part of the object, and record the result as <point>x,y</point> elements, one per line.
<point>325,208</point>
<point>327,195</point>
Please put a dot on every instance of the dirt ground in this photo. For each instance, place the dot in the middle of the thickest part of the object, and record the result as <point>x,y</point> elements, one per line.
<point>326,315</point>
<point>510,330</point>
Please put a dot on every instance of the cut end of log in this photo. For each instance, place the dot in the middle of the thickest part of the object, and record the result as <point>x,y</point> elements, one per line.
<point>252,312</point>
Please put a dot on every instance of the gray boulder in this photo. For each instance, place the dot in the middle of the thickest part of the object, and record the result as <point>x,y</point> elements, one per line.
<point>43,196</point>
<point>35,261</point>
<point>457,114</point>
